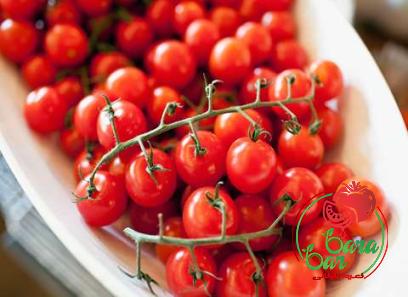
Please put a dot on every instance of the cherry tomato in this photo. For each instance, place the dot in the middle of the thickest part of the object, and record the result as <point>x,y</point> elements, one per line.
<point>255,214</point>
<point>108,203</point>
<point>313,233</point>
<point>62,12</point>
<point>230,60</point>
<point>151,191</point>
<point>300,150</point>
<point>129,121</point>
<point>133,37</point>
<point>226,19</point>
<point>161,96</point>
<point>159,14</point>
<point>71,142</point>
<point>21,9</point>
<point>332,175</point>
<point>44,110</point>
<point>66,45</point>
<point>86,161</point>
<point>202,219</point>
<point>288,277</point>
<point>145,219</point>
<point>185,13</point>
<point>331,129</point>
<point>201,36</point>
<point>70,89</point>
<point>329,80</point>
<point>251,165</point>
<point>236,274</point>
<point>302,185</point>
<point>280,25</point>
<point>196,169</point>
<point>86,116</point>
<point>288,54</point>
<point>103,64</point>
<point>129,84</point>
<point>179,278</point>
<point>248,88</point>
<point>300,87</point>
<point>172,64</point>
<point>94,8</point>
<point>39,71</point>
<point>18,40</point>
<point>172,227</point>
<point>258,40</point>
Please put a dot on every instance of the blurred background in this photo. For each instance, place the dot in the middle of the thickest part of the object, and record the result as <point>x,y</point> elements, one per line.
<point>32,261</point>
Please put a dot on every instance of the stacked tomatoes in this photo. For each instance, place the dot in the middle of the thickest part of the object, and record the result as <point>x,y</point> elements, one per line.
<point>79,55</point>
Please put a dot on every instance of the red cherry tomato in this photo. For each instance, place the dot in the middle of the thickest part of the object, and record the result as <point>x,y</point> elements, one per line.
<point>179,278</point>
<point>86,116</point>
<point>201,219</point>
<point>251,165</point>
<point>146,220</point>
<point>133,37</point>
<point>329,80</point>
<point>103,64</point>
<point>300,87</point>
<point>86,161</point>
<point>185,13</point>
<point>258,40</point>
<point>21,9</point>
<point>129,84</point>
<point>302,185</point>
<point>44,110</point>
<point>331,129</point>
<point>94,8</point>
<point>255,214</point>
<point>248,88</point>
<point>109,200</point>
<point>62,12</point>
<point>226,19</point>
<point>18,40</point>
<point>146,190</point>
<point>332,175</point>
<point>236,274</point>
<point>200,170</point>
<point>172,227</point>
<point>289,54</point>
<point>161,96</point>
<point>288,277</point>
<point>201,36</point>
<point>172,64</point>
<point>129,121</point>
<point>230,60</point>
<point>71,142</point>
<point>300,150</point>
<point>66,45</point>
<point>280,25</point>
<point>159,14</point>
<point>70,89</point>
<point>39,71</point>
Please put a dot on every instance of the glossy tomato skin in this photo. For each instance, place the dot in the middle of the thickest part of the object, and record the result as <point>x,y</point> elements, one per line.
<point>251,165</point>
<point>258,40</point>
<point>226,19</point>
<point>332,127</point>
<point>86,161</point>
<point>39,71</point>
<point>302,185</point>
<point>18,40</point>
<point>200,170</point>
<point>94,8</point>
<point>236,274</point>
<point>255,214</point>
<point>71,142</point>
<point>70,89</point>
<point>230,60</point>
<point>86,116</point>
<point>103,64</point>
<point>280,25</point>
<point>201,219</point>
<point>179,278</point>
<point>129,121</point>
<point>247,93</point>
<point>285,270</point>
<point>332,175</point>
<point>161,96</point>
<point>172,64</point>
<point>133,37</point>
<point>109,201</point>
<point>44,110</point>
<point>289,54</point>
<point>142,188</point>
<point>185,13</point>
<point>300,150</point>
<point>159,14</point>
<point>21,9</point>
<point>172,227</point>
<point>66,45</point>
<point>63,12</point>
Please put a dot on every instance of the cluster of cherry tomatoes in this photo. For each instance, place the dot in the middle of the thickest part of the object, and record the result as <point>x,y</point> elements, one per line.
<point>145,54</point>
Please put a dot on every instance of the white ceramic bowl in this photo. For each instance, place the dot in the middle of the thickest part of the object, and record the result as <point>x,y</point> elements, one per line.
<point>375,145</point>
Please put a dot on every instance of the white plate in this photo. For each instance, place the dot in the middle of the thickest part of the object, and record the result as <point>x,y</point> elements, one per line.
<point>375,145</point>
